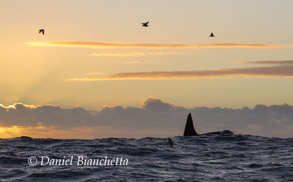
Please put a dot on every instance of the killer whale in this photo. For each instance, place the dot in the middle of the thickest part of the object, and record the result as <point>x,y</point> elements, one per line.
<point>190,131</point>
<point>189,128</point>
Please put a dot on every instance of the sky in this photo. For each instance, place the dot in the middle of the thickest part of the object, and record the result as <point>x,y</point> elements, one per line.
<point>95,56</point>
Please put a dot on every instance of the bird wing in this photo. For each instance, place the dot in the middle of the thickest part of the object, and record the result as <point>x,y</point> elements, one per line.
<point>42,31</point>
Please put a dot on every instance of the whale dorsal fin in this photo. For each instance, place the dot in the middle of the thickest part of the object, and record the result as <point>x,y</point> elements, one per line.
<point>189,128</point>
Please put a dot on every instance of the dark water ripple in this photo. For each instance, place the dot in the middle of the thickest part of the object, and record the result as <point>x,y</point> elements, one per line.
<point>218,156</point>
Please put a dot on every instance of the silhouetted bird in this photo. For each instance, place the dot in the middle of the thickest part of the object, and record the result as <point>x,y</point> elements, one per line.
<point>170,142</point>
<point>146,24</point>
<point>42,31</point>
<point>212,35</point>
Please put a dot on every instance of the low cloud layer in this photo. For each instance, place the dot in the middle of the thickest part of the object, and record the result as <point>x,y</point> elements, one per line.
<point>133,54</point>
<point>99,45</point>
<point>279,69</point>
<point>154,118</point>
<point>277,62</point>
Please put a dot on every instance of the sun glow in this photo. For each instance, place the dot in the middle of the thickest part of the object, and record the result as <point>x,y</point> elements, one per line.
<point>15,105</point>
<point>9,132</point>
<point>17,131</point>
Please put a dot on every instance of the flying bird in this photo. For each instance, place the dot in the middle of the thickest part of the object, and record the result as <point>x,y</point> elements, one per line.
<point>42,31</point>
<point>145,24</point>
<point>212,35</point>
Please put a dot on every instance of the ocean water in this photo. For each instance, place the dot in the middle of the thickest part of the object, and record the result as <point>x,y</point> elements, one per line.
<point>219,156</point>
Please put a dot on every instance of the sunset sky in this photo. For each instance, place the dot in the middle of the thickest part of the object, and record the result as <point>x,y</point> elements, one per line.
<point>95,56</point>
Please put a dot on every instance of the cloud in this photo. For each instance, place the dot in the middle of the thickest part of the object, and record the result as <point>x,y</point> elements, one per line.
<point>282,69</point>
<point>49,115</point>
<point>154,118</point>
<point>280,62</point>
<point>118,54</point>
<point>133,54</point>
<point>103,45</point>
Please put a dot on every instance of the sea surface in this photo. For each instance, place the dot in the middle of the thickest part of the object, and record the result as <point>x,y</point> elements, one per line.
<point>218,156</point>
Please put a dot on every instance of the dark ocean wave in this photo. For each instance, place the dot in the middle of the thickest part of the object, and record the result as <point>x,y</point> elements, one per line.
<point>217,156</point>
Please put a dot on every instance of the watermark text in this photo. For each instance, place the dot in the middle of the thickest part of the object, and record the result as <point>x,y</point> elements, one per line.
<point>77,160</point>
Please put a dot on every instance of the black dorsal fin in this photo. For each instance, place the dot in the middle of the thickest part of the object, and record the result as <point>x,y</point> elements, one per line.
<point>189,128</point>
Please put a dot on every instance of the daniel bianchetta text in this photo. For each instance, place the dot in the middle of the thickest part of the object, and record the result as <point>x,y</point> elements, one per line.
<point>77,160</point>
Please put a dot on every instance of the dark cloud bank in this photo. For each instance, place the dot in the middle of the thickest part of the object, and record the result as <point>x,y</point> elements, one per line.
<point>158,116</point>
<point>277,68</point>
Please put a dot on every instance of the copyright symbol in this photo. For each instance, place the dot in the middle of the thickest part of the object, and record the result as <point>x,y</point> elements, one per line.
<point>32,161</point>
